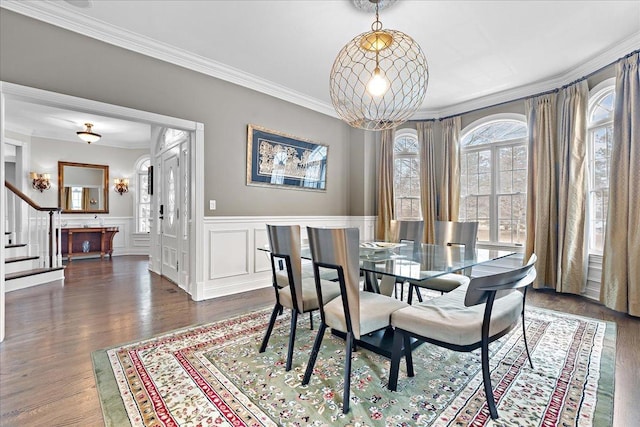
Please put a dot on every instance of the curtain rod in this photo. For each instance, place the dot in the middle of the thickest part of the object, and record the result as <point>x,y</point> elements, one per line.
<point>522,98</point>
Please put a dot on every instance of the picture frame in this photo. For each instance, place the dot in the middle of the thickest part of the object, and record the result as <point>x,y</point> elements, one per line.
<point>278,160</point>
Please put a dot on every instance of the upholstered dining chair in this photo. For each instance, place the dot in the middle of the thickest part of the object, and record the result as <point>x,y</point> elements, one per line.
<point>449,233</point>
<point>299,294</point>
<point>465,319</point>
<point>357,312</point>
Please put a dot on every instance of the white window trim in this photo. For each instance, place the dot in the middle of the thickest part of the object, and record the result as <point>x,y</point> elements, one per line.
<point>137,165</point>
<point>595,94</point>
<point>493,208</point>
<point>399,134</point>
<point>489,119</point>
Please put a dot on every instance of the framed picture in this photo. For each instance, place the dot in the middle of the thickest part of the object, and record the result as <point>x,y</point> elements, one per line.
<point>278,160</point>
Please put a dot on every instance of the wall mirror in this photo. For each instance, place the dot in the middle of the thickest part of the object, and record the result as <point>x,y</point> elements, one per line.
<point>83,188</point>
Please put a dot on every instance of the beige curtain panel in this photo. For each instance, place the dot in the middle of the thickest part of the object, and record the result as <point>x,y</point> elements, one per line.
<point>572,189</point>
<point>621,263</point>
<point>86,199</point>
<point>450,186</point>
<point>542,209</point>
<point>428,196</point>
<point>67,197</point>
<point>385,201</point>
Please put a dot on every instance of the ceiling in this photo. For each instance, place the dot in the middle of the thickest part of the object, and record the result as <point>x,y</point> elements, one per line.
<point>479,52</point>
<point>44,121</point>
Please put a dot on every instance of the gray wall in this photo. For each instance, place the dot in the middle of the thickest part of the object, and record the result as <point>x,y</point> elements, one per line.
<point>36,54</point>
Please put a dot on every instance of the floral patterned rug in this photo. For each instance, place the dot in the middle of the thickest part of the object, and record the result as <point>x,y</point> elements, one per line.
<point>213,375</point>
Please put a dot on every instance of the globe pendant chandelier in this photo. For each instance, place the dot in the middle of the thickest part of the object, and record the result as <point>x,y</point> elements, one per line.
<point>379,79</point>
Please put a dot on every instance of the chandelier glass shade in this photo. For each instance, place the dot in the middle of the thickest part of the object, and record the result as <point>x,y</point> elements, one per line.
<point>87,135</point>
<point>379,79</point>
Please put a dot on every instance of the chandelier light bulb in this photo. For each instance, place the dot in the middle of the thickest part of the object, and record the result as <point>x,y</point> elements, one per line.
<point>378,84</point>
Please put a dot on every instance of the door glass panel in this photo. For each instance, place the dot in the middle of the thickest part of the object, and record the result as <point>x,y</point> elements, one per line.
<point>171,203</point>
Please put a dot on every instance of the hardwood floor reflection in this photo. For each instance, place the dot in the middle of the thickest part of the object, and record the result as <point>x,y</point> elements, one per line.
<point>46,375</point>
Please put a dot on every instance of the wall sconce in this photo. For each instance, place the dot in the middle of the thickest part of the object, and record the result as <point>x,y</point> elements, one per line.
<point>122,185</point>
<point>40,181</point>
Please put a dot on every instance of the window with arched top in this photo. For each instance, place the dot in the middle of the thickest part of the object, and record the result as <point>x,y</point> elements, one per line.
<point>600,142</point>
<point>143,196</point>
<point>493,178</point>
<point>406,175</point>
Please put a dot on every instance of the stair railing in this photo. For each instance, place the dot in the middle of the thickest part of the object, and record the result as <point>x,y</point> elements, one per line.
<point>45,220</point>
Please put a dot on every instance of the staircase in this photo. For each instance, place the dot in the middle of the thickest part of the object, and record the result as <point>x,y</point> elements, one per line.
<point>35,262</point>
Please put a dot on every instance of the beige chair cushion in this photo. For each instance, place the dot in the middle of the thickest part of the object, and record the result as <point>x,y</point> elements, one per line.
<point>282,279</point>
<point>447,319</point>
<point>330,290</point>
<point>375,312</point>
<point>445,283</point>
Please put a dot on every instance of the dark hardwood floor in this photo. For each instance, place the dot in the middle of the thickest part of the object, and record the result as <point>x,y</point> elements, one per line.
<point>46,375</point>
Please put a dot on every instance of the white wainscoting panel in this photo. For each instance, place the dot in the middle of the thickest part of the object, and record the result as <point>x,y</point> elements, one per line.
<point>594,277</point>
<point>262,260</point>
<point>229,253</point>
<point>232,261</point>
<point>140,244</point>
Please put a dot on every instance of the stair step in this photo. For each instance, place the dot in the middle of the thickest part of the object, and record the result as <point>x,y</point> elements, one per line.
<point>20,258</point>
<point>20,263</point>
<point>32,272</point>
<point>16,250</point>
<point>34,277</point>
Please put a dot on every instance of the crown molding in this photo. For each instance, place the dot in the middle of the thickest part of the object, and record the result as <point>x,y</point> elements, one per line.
<point>54,14</point>
<point>57,15</point>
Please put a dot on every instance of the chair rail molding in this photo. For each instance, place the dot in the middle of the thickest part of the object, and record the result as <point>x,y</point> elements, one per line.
<point>232,262</point>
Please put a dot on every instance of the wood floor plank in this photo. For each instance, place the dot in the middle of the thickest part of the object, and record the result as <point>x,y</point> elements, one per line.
<point>46,374</point>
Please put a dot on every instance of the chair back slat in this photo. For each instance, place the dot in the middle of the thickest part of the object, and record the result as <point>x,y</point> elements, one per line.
<point>340,247</point>
<point>456,233</point>
<point>503,283</point>
<point>284,241</point>
<point>405,230</point>
<point>452,233</point>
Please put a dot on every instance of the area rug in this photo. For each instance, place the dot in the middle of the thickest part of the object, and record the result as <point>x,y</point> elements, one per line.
<point>213,375</point>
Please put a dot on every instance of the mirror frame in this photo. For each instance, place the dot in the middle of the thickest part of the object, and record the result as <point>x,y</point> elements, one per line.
<point>105,186</point>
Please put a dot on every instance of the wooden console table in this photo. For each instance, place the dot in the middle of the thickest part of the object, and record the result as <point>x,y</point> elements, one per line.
<point>100,241</point>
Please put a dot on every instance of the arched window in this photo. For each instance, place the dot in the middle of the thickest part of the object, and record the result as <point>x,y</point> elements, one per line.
<point>600,141</point>
<point>493,178</point>
<point>143,196</point>
<point>406,175</point>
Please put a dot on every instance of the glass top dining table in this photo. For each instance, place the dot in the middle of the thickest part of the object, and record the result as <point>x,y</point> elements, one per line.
<point>419,263</point>
<point>416,263</point>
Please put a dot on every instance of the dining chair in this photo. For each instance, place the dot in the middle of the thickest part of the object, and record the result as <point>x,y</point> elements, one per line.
<point>449,233</point>
<point>357,312</point>
<point>299,294</point>
<point>404,231</point>
<point>465,319</point>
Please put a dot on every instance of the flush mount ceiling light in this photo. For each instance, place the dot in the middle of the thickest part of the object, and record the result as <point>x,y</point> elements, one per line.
<point>87,135</point>
<point>379,79</point>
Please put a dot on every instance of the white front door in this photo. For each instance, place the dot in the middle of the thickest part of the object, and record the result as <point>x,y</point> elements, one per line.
<point>170,215</point>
